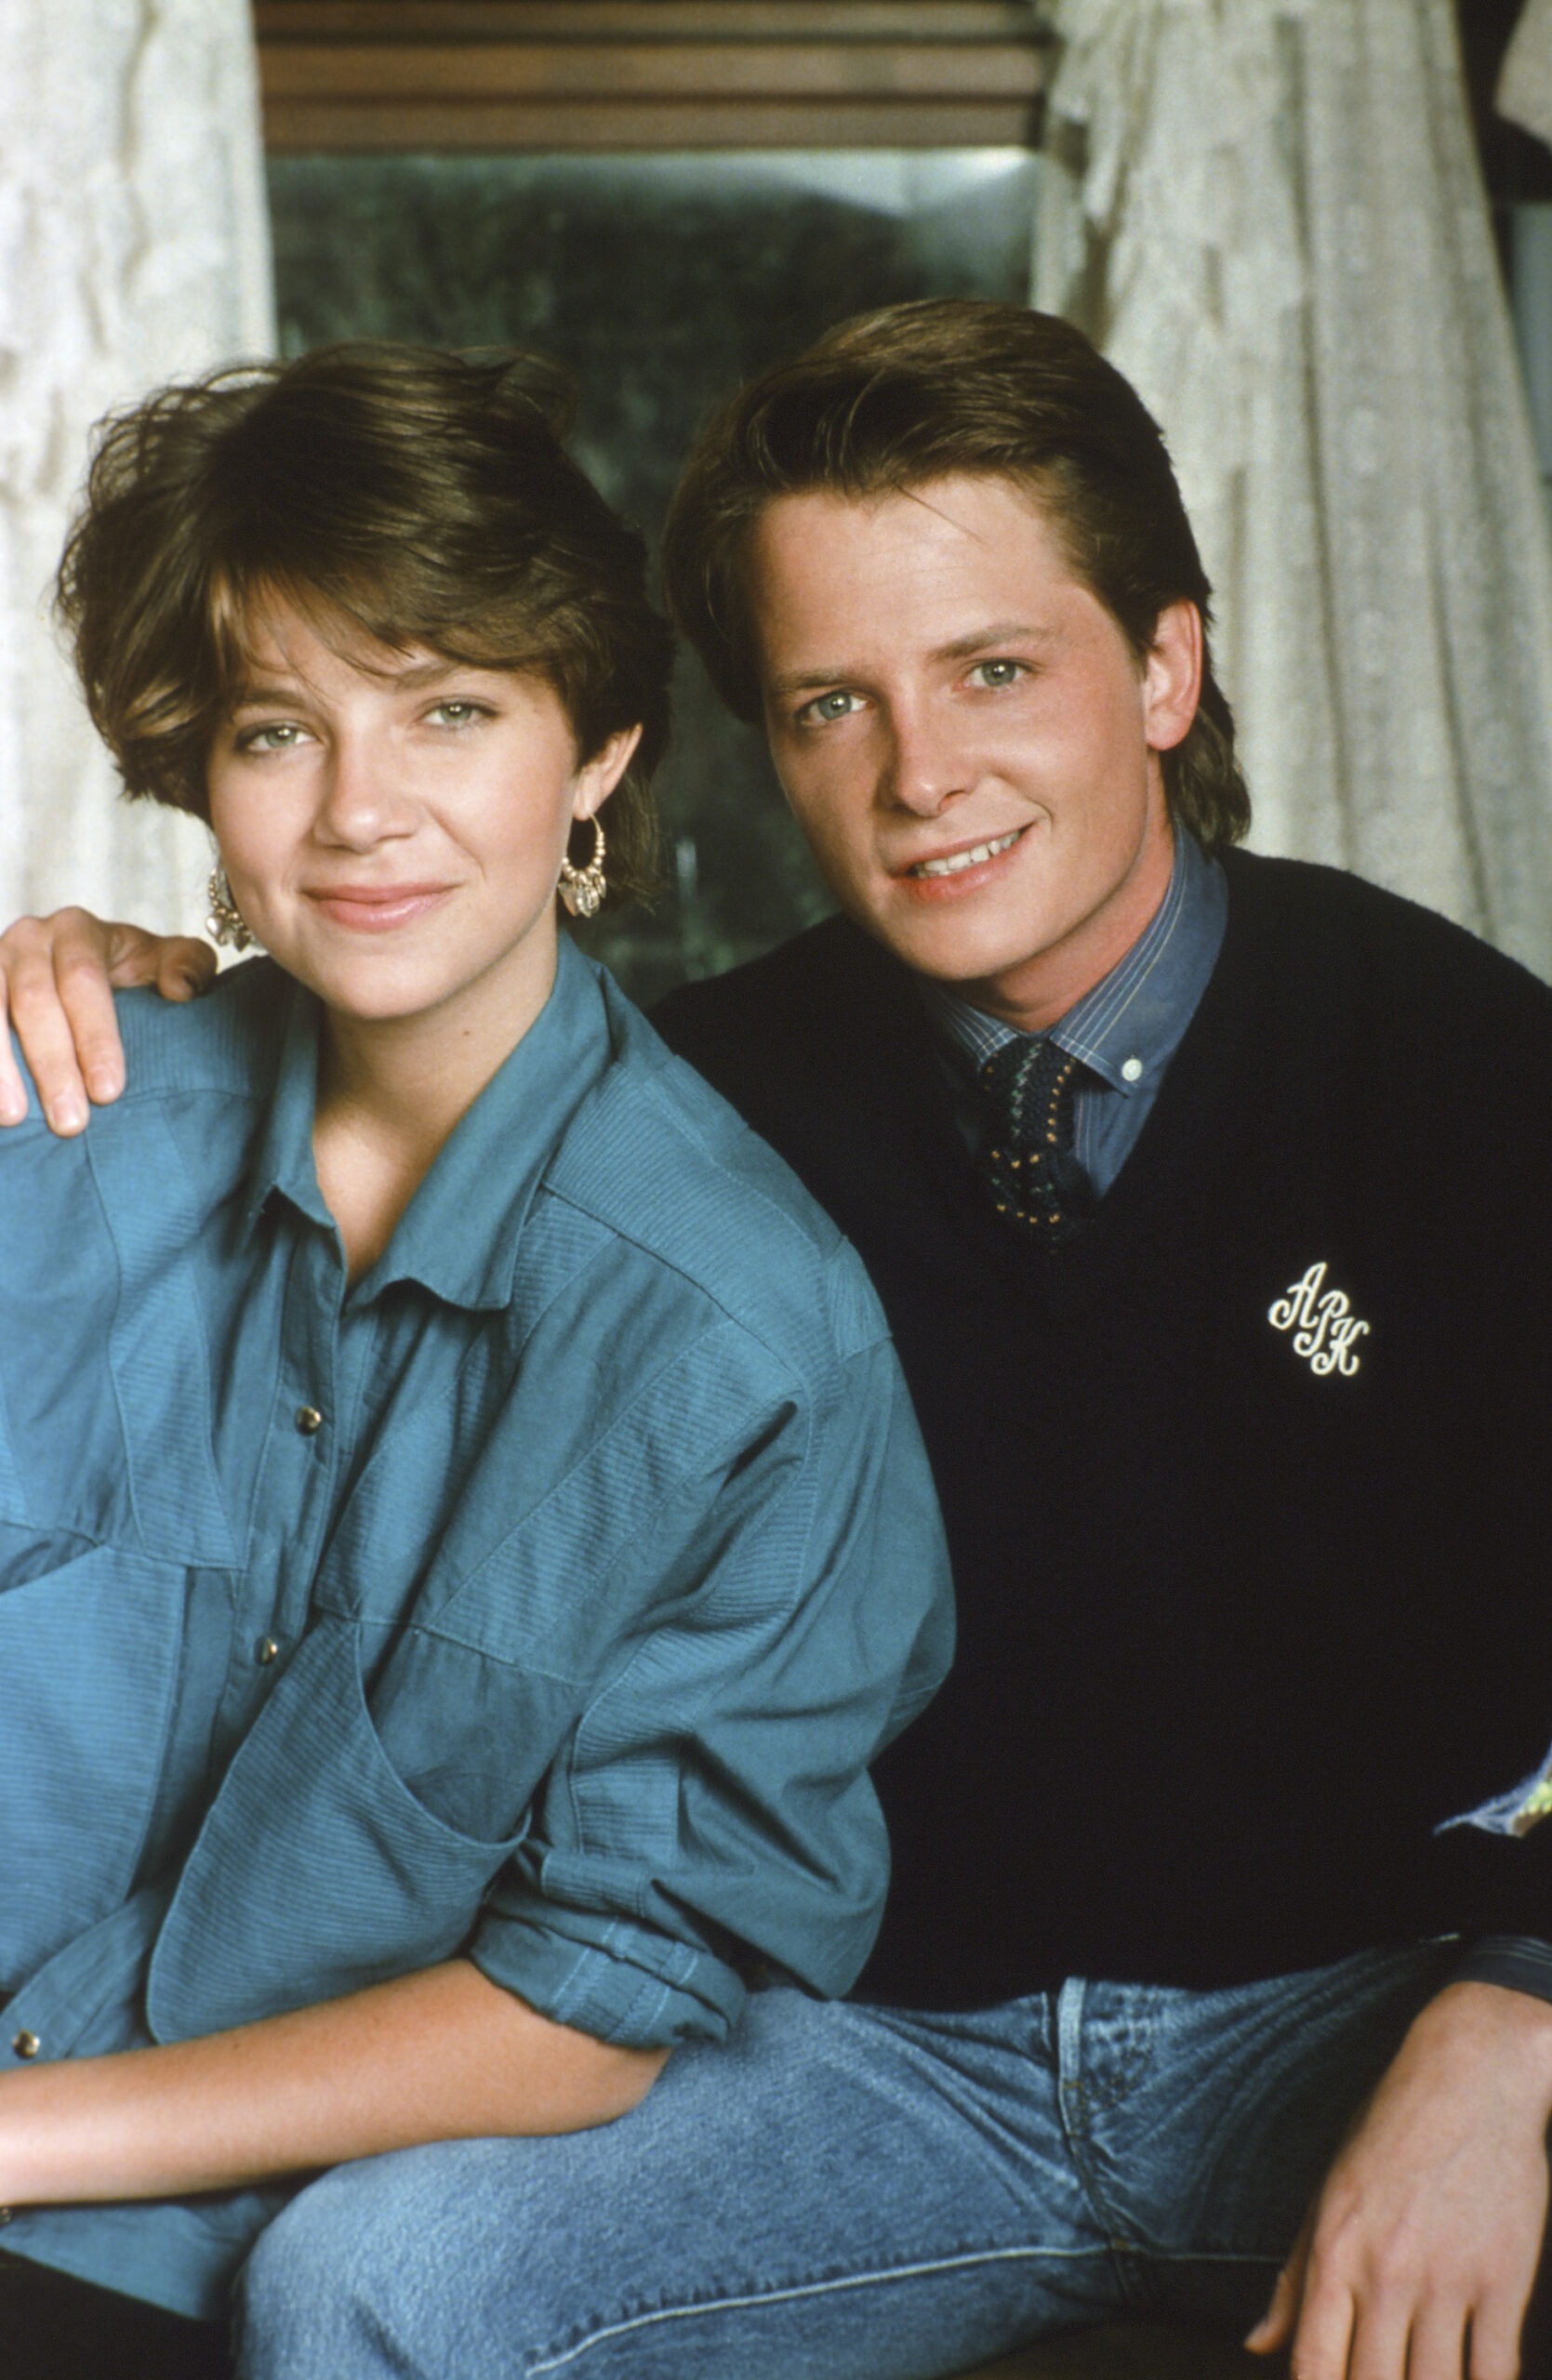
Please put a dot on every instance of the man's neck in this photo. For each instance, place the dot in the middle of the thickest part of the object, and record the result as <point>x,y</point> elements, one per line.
<point>1034,994</point>
<point>1123,1031</point>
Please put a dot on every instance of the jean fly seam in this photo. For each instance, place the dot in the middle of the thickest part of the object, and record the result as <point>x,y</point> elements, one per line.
<point>1074,2100</point>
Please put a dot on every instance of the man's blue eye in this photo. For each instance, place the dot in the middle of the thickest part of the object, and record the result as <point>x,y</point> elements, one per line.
<point>834,706</point>
<point>998,673</point>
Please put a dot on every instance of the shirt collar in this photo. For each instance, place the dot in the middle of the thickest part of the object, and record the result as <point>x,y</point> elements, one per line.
<point>459,1235</point>
<point>282,1160</point>
<point>1128,1026</point>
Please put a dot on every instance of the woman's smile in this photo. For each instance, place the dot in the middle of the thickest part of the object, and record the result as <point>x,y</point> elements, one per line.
<point>377,908</point>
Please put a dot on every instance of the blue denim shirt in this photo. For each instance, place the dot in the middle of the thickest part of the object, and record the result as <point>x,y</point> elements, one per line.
<point>540,1597</point>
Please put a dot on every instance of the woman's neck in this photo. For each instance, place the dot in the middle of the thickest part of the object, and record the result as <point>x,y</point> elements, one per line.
<point>389,1095</point>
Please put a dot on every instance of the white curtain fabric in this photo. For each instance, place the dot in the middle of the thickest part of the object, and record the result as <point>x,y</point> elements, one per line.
<point>1525,84</point>
<point>1269,214</point>
<point>134,246</point>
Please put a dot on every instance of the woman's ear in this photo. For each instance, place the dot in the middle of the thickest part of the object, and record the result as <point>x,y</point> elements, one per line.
<point>1172,676</point>
<point>597,778</point>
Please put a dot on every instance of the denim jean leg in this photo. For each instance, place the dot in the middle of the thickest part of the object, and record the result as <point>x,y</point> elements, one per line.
<point>838,2193</point>
<point>1213,2117</point>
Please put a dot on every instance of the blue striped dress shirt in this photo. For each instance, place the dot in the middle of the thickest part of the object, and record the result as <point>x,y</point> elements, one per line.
<point>1124,1031</point>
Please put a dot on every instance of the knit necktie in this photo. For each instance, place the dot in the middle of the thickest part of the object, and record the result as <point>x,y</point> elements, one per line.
<point>1036,1182</point>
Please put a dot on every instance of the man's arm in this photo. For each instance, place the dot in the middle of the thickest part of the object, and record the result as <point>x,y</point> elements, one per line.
<point>1419,2256</point>
<point>442,2055</point>
<point>57,978</point>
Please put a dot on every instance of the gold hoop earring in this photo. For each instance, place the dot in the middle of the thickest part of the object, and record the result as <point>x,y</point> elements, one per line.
<point>582,889</point>
<point>225,925</point>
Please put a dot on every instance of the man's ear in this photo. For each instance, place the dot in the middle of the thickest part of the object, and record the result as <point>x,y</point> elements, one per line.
<point>1172,676</point>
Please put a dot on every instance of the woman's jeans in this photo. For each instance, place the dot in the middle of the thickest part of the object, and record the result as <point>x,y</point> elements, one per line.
<point>850,2193</point>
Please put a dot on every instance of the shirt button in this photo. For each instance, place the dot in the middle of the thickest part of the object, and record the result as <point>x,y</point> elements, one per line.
<point>265,1651</point>
<point>309,1419</point>
<point>1132,1069</point>
<point>26,2045</point>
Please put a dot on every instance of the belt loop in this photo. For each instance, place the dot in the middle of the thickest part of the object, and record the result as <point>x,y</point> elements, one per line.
<point>1069,2050</point>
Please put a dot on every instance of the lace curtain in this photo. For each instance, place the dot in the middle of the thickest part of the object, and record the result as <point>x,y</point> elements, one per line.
<point>1525,84</point>
<point>133,245</point>
<point>1269,214</point>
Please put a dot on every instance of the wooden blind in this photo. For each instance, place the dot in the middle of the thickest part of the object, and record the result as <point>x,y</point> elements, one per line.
<point>622,74</point>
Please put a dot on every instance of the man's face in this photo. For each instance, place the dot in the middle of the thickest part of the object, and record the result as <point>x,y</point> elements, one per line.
<point>966,738</point>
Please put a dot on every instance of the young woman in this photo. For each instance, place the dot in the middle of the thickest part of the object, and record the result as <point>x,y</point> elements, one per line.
<point>462,1532</point>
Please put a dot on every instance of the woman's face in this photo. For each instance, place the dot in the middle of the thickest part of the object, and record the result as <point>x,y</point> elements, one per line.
<point>392,825</point>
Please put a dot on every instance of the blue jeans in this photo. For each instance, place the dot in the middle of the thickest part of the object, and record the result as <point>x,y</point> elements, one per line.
<point>852,2193</point>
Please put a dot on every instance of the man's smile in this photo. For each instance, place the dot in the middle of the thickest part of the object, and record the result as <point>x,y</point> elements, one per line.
<point>973,856</point>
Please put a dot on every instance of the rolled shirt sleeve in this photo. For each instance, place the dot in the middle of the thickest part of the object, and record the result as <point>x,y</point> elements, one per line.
<point>709,1819</point>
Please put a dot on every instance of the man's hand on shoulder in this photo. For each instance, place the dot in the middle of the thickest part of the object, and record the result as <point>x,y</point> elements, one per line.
<point>58,975</point>
<point>1419,2256</point>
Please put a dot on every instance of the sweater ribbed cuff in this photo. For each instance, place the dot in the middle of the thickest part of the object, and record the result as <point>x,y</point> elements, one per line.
<point>1522,1962</point>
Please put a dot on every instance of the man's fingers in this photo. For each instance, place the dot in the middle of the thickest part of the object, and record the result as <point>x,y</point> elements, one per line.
<point>1438,2349</point>
<point>13,1097</point>
<point>38,1020</point>
<point>1380,2342</point>
<point>184,968</point>
<point>62,1012</point>
<point>1494,2350</point>
<point>1323,2338</point>
<point>1276,2326</point>
<point>57,978</point>
<point>87,1003</point>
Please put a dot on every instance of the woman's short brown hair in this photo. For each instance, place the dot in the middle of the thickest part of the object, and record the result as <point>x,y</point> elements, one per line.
<point>400,496</point>
<point>890,400</point>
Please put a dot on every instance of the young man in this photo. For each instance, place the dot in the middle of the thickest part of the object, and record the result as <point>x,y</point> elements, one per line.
<point>1206,1197</point>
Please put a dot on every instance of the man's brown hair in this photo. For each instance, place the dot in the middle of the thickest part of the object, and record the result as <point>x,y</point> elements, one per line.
<point>396,496</point>
<point>888,401</point>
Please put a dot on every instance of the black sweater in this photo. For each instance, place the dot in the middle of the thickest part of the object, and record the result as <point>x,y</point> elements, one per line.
<point>1237,1633</point>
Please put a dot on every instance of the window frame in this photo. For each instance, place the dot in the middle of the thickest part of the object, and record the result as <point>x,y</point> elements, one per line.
<point>389,76</point>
